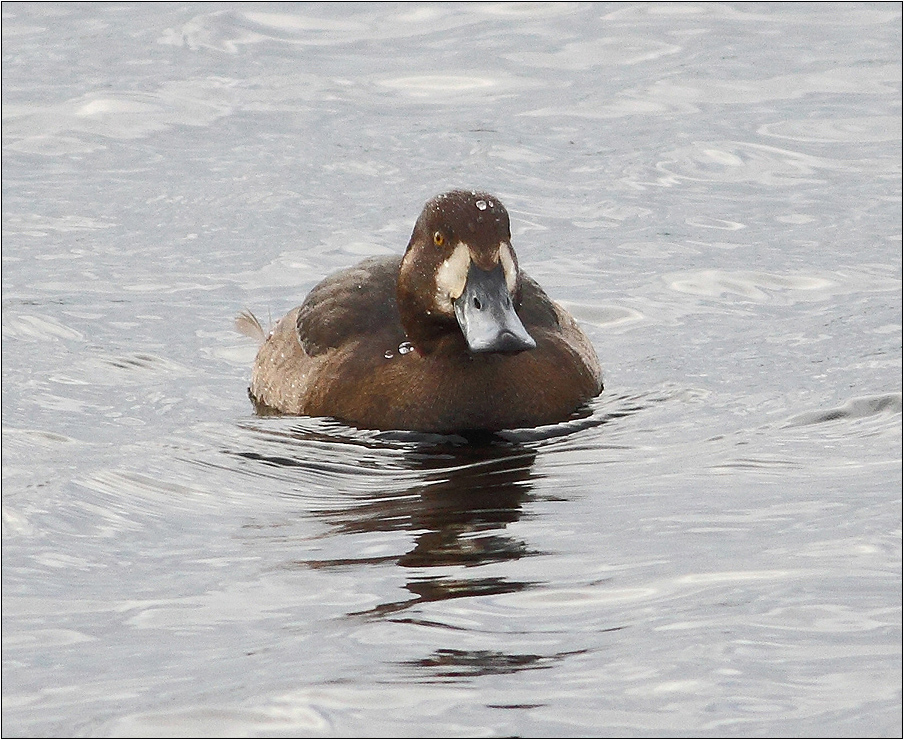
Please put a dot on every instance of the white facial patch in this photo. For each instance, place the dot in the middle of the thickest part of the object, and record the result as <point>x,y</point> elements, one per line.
<point>508,266</point>
<point>452,276</point>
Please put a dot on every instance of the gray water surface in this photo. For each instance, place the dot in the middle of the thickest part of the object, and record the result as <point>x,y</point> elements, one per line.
<point>713,190</point>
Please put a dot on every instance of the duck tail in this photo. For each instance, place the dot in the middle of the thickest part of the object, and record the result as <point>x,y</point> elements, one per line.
<point>246,323</point>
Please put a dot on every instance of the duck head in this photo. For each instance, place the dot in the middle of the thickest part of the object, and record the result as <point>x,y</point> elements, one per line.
<point>459,277</point>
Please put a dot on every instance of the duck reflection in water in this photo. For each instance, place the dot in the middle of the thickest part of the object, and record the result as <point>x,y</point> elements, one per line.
<point>467,491</point>
<point>464,495</point>
<point>466,498</point>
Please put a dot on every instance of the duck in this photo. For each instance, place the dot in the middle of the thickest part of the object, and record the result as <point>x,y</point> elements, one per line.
<point>450,337</point>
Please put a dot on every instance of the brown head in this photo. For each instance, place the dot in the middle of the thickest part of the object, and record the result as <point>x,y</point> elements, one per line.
<point>459,277</point>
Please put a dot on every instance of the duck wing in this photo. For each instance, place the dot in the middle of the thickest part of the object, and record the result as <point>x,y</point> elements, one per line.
<point>357,302</point>
<point>537,310</point>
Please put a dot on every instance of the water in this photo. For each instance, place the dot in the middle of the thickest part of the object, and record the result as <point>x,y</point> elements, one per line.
<point>713,190</point>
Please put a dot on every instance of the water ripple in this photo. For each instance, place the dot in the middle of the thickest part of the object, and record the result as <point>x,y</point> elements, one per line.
<point>836,130</point>
<point>857,408</point>
<point>737,162</point>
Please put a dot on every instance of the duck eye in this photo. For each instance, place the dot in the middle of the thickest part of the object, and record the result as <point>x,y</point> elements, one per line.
<point>439,239</point>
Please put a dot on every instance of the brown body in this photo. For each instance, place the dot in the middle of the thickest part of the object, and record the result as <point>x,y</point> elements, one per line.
<point>378,345</point>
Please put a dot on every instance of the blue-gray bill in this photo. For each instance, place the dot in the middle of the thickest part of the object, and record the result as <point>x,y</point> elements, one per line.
<point>487,316</point>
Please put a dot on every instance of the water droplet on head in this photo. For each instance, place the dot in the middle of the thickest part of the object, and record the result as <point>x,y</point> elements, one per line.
<point>405,348</point>
<point>481,204</point>
<point>388,354</point>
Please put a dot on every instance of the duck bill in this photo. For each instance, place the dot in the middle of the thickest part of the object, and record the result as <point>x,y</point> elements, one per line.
<point>487,316</point>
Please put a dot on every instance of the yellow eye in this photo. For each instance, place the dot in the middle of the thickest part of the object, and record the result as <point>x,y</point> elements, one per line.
<point>439,239</point>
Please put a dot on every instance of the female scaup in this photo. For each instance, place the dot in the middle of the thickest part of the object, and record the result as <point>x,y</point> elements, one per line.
<point>450,337</point>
